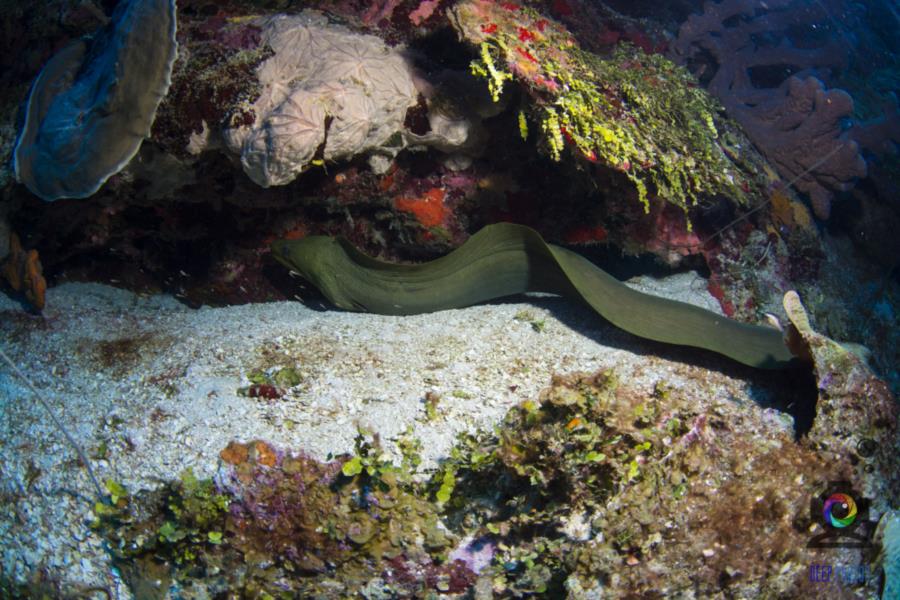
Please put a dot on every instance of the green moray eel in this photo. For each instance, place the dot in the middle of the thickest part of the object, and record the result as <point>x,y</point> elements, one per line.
<point>506,259</point>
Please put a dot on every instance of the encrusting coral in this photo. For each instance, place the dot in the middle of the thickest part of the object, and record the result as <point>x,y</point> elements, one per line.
<point>327,94</point>
<point>94,103</point>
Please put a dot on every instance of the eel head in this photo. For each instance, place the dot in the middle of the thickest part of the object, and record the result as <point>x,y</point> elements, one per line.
<point>314,258</point>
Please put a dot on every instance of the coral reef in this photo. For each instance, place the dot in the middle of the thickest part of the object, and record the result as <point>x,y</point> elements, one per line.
<point>636,113</point>
<point>327,94</point>
<point>183,219</point>
<point>424,11</point>
<point>598,486</point>
<point>93,104</point>
<point>213,82</point>
<point>796,122</point>
<point>455,105</point>
<point>753,264</point>
<point>380,11</point>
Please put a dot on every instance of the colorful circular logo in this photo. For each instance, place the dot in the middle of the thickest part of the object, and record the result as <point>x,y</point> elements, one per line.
<point>839,510</point>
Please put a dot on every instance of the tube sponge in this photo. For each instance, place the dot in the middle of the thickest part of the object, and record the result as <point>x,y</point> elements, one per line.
<point>94,102</point>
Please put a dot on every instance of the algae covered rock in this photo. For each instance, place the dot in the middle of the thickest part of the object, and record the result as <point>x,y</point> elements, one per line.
<point>633,112</point>
<point>856,414</point>
<point>278,523</point>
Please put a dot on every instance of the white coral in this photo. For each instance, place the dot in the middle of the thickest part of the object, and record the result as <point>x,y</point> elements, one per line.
<point>284,143</point>
<point>323,84</point>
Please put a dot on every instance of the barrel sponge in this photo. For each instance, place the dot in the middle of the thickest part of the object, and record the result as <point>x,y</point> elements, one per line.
<point>327,93</point>
<point>94,102</point>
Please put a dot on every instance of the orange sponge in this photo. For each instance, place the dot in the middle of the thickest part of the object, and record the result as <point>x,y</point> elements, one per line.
<point>22,270</point>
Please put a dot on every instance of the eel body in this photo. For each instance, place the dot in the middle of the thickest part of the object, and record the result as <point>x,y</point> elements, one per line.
<point>506,259</point>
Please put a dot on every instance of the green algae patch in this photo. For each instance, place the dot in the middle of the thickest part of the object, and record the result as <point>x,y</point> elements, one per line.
<point>271,384</point>
<point>637,113</point>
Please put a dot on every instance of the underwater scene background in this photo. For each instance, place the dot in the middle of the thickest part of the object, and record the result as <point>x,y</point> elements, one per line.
<point>449,299</point>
